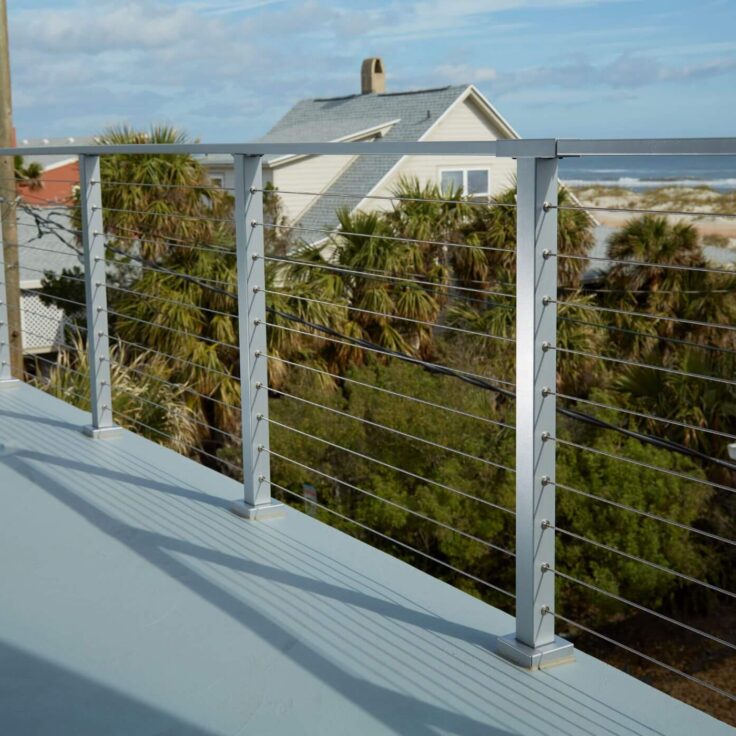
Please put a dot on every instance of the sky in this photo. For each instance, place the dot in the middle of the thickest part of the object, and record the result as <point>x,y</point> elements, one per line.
<point>227,70</point>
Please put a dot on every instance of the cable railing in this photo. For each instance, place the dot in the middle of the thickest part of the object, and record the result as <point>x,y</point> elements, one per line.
<point>478,202</point>
<point>394,397</point>
<point>405,435</point>
<point>388,238</point>
<point>365,274</point>
<point>645,264</point>
<point>396,394</point>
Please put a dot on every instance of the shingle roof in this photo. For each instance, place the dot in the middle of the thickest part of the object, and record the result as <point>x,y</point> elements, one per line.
<point>339,117</point>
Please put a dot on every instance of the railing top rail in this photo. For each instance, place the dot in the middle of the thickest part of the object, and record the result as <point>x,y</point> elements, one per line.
<point>434,148</point>
<point>522,148</point>
<point>647,147</point>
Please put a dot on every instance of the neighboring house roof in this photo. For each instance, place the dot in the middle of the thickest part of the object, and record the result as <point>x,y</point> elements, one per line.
<point>392,116</point>
<point>405,116</point>
<point>41,251</point>
<point>46,251</point>
<point>51,162</point>
<point>415,113</point>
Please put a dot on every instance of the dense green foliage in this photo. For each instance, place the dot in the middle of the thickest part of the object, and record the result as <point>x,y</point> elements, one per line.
<point>27,175</point>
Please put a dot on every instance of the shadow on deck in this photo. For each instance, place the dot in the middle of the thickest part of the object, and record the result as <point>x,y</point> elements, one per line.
<point>133,602</point>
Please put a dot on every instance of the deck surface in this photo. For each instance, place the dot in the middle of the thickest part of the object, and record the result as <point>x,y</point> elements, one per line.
<point>133,602</point>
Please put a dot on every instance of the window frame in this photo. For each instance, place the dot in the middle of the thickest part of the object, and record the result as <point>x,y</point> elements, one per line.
<point>465,170</point>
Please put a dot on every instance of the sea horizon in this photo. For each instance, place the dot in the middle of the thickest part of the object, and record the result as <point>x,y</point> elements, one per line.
<point>650,172</point>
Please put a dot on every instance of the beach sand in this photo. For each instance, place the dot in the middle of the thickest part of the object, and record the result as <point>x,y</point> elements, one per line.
<point>715,229</point>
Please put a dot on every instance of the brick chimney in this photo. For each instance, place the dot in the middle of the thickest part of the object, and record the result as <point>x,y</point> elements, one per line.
<point>372,76</point>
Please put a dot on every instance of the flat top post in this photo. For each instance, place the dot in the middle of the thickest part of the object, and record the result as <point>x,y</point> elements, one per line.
<point>535,412</point>
<point>249,245</point>
<point>93,241</point>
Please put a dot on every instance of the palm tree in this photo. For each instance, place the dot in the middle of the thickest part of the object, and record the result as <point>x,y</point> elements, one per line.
<point>279,238</point>
<point>388,308</point>
<point>495,227</point>
<point>172,277</point>
<point>153,201</point>
<point>427,279</point>
<point>673,283</point>
<point>28,175</point>
<point>655,240</point>
<point>171,251</point>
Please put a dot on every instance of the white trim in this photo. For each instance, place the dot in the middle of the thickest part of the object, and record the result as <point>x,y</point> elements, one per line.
<point>484,104</point>
<point>381,128</point>
<point>59,164</point>
<point>485,107</point>
<point>492,112</point>
<point>470,90</point>
<point>380,183</point>
<point>458,100</point>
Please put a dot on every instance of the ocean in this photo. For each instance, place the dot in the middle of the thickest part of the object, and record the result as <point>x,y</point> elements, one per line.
<point>648,172</point>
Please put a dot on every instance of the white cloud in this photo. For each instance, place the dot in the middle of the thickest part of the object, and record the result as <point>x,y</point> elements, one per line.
<point>464,73</point>
<point>427,19</point>
<point>128,25</point>
<point>626,71</point>
<point>232,6</point>
<point>232,67</point>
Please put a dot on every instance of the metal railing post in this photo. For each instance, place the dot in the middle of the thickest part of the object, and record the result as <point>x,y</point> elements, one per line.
<point>249,244</point>
<point>534,643</point>
<point>95,287</point>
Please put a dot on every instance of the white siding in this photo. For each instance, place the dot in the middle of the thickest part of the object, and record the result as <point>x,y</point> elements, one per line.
<point>464,122</point>
<point>428,168</point>
<point>311,174</point>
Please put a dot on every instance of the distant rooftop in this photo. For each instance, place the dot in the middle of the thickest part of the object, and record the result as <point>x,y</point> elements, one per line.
<point>330,119</point>
<point>47,250</point>
<point>47,161</point>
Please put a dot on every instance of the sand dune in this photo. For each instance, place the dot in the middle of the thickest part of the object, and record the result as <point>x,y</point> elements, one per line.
<point>711,208</point>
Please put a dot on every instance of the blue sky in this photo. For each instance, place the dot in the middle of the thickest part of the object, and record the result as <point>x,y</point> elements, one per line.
<point>226,70</point>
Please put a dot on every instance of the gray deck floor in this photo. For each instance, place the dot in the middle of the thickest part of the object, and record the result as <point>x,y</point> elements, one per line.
<point>133,602</point>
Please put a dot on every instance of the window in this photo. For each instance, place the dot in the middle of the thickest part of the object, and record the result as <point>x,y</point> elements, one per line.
<point>216,180</point>
<point>477,182</point>
<point>451,181</point>
<point>470,182</point>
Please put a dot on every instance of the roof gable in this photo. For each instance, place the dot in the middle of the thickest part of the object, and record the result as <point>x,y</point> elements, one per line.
<point>413,113</point>
<point>340,117</point>
<point>405,117</point>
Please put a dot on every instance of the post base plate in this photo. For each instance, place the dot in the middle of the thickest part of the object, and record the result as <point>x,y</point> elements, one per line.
<point>102,433</point>
<point>557,652</point>
<point>272,510</point>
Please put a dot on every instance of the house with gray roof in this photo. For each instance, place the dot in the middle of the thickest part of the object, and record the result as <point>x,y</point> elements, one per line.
<point>312,188</point>
<point>44,230</point>
<point>45,248</point>
<point>59,174</point>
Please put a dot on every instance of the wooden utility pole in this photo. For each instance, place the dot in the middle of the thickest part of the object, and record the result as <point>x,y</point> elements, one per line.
<point>7,203</point>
